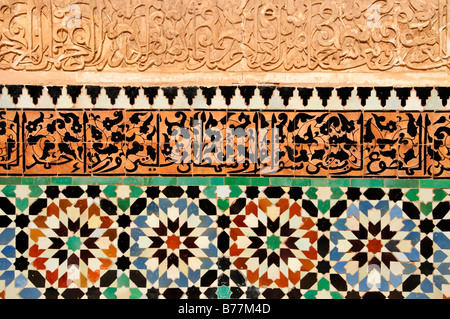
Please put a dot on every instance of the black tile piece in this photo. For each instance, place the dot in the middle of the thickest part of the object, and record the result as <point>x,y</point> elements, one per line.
<point>363,93</point>
<point>383,93</point>
<point>51,293</point>
<point>444,225</point>
<point>15,91</point>
<point>237,277</point>
<point>305,94</point>
<point>266,93</point>
<point>295,193</point>
<point>403,94</point>
<point>395,194</point>
<point>439,212</point>
<point>294,293</point>
<point>273,293</point>
<point>237,206</point>
<point>353,295</point>
<point>323,246</point>
<point>426,226</point>
<point>6,206</point>
<point>411,210</point>
<point>190,92</point>
<point>324,94</point>
<point>223,263</point>
<point>123,263</point>
<point>208,207</point>
<point>252,292</point>
<point>236,293</point>
<point>223,242</point>
<point>5,221</point>
<point>208,93</point>
<point>108,206</point>
<point>211,293</point>
<point>54,92</point>
<point>21,263</point>
<point>36,207</point>
<point>112,92</point>
<point>152,192</point>
<point>93,91</point>
<point>310,208</point>
<point>411,283</point>
<point>22,220</point>
<point>247,92</point>
<point>337,209</point>
<point>396,295</point>
<point>123,242</point>
<point>228,92</point>
<point>323,267</point>
<point>338,282</point>
<point>193,192</point>
<point>344,94</point>
<point>374,295</point>
<point>223,280</point>
<point>252,192</point>
<point>170,93</point>
<point>21,242</point>
<point>124,221</point>
<point>35,91</point>
<point>374,193</point>
<point>286,93</point>
<point>74,91</point>
<point>274,192</point>
<point>132,92</point>
<point>138,206</point>
<point>52,191</point>
<point>93,293</point>
<point>208,278</point>
<point>173,191</point>
<point>73,191</point>
<point>423,93</point>
<point>93,191</point>
<point>138,279</point>
<point>151,92</point>
<point>223,221</point>
<point>444,94</point>
<point>36,278</point>
<point>152,293</point>
<point>426,268</point>
<point>72,293</point>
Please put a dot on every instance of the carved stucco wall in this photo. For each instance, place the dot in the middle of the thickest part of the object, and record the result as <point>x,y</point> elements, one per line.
<point>225,40</point>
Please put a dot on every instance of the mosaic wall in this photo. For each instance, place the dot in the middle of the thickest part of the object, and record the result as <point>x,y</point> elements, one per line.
<point>242,149</point>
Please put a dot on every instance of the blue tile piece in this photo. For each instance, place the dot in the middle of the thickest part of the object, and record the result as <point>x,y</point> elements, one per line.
<point>441,240</point>
<point>30,293</point>
<point>20,281</point>
<point>7,235</point>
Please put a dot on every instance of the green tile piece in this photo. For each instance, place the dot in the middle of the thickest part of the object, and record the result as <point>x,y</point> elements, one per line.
<point>337,193</point>
<point>123,203</point>
<point>311,193</point>
<point>260,181</point>
<point>9,191</point>
<point>412,194</point>
<point>210,192</point>
<point>401,183</point>
<point>435,183</point>
<point>323,284</point>
<point>28,180</point>
<point>319,182</point>
<point>22,204</point>
<point>280,181</point>
<point>110,293</point>
<point>35,191</point>
<point>160,180</point>
<point>439,195</point>
<point>43,180</point>
<point>81,180</point>
<point>216,181</point>
<point>135,293</point>
<point>135,191</point>
<point>192,180</point>
<point>100,180</point>
<point>62,180</point>
<point>324,206</point>
<point>235,180</point>
<point>335,295</point>
<point>223,292</point>
<point>10,180</point>
<point>235,191</point>
<point>366,182</point>
<point>123,281</point>
<point>110,191</point>
<point>310,294</point>
<point>133,180</point>
<point>426,208</point>
<point>340,182</point>
<point>301,182</point>
<point>223,204</point>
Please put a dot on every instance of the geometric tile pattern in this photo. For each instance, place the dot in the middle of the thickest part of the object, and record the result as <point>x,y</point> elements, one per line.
<point>400,144</point>
<point>213,240</point>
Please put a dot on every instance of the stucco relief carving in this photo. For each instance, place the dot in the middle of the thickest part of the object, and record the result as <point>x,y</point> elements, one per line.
<point>219,35</point>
